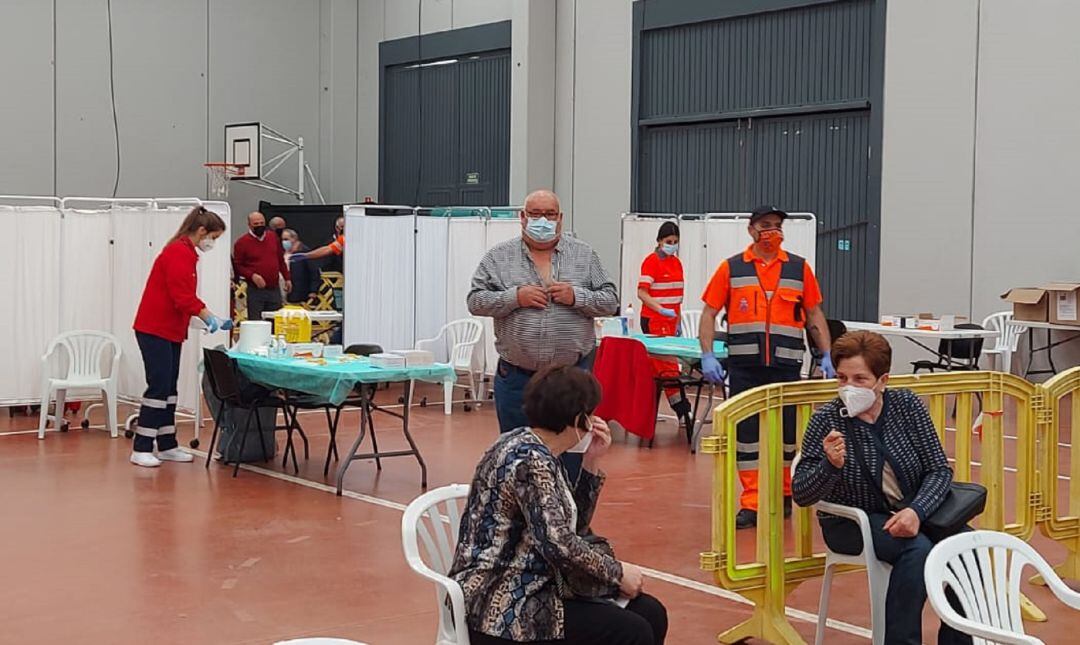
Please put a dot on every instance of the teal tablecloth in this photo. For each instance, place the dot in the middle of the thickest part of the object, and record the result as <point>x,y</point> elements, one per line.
<point>685,348</point>
<point>336,379</point>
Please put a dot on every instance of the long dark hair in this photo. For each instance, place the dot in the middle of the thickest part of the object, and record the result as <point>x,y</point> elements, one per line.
<point>198,218</point>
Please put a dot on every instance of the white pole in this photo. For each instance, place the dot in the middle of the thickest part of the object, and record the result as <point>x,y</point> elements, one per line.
<point>300,172</point>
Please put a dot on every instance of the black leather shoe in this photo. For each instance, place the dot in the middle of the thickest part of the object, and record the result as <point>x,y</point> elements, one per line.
<point>746,519</point>
<point>787,507</point>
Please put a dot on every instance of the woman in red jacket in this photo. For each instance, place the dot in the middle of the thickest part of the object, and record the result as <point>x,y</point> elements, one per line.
<point>169,301</point>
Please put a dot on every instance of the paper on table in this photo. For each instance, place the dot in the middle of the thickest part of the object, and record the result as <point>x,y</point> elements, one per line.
<point>1066,305</point>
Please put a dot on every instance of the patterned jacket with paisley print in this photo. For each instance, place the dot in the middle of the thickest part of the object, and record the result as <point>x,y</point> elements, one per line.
<point>519,541</point>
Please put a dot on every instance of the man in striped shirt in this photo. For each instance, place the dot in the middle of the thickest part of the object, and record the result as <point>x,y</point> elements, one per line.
<point>543,290</point>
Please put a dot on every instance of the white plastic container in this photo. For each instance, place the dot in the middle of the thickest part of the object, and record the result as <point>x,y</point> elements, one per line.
<point>415,357</point>
<point>254,333</point>
<point>388,361</point>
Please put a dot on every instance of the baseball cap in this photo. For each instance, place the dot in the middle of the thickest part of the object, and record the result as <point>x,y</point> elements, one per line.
<point>762,211</point>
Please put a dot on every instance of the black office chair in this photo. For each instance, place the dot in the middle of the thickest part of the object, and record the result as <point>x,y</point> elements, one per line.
<point>960,355</point>
<point>225,385</point>
<point>837,328</point>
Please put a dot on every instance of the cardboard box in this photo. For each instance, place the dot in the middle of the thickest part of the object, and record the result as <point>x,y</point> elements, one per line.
<point>1029,303</point>
<point>1063,303</point>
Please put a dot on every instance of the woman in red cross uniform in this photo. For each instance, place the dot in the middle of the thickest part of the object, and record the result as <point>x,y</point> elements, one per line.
<point>660,289</point>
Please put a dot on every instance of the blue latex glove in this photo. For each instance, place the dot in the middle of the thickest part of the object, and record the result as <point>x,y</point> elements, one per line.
<point>667,313</point>
<point>226,324</point>
<point>213,323</point>
<point>826,365</point>
<point>711,368</point>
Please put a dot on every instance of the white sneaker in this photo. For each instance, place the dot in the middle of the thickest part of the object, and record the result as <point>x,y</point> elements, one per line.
<point>175,454</point>
<point>145,459</point>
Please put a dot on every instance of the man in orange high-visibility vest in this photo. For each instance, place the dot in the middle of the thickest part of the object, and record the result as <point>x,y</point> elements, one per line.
<point>771,298</point>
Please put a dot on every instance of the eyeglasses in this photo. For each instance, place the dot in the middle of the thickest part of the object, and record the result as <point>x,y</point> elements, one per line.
<point>544,214</point>
<point>766,226</point>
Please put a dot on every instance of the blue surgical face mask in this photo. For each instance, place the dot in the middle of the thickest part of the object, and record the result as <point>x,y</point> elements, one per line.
<point>286,244</point>
<point>669,249</point>
<point>541,229</point>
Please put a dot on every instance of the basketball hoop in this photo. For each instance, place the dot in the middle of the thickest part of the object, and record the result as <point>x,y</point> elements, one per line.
<point>220,174</point>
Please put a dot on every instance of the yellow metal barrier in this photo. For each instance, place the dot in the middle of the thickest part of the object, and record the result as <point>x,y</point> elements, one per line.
<point>1061,522</point>
<point>771,572</point>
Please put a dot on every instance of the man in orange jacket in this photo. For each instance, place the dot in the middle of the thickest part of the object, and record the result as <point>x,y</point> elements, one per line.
<point>771,298</point>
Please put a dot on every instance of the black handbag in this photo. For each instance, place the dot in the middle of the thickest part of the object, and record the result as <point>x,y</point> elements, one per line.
<point>963,502</point>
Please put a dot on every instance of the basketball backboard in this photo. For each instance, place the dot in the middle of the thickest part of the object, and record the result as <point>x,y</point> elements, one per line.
<point>242,146</point>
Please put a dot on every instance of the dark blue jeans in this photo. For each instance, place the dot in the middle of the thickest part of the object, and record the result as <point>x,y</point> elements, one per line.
<point>907,589</point>
<point>510,382</point>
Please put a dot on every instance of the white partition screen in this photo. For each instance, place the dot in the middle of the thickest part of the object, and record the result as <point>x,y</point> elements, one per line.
<point>380,271</point>
<point>85,268</point>
<point>31,287</point>
<point>432,264</point>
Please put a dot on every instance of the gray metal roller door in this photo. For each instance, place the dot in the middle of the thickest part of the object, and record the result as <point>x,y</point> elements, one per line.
<point>770,108</point>
<point>447,125</point>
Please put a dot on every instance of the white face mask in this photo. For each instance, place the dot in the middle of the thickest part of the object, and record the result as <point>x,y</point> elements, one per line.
<point>582,445</point>
<point>857,399</point>
<point>206,244</point>
<point>585,440</point>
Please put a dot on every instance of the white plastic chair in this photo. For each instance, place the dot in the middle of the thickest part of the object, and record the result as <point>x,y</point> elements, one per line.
<point>423,518</point>
<point>461,338</point>
<point>1007,340</point>
<point>984,569</point>
<point>877,572</point>
<point>691,320</point>
<point>83,351</point>
<point>691,323</point>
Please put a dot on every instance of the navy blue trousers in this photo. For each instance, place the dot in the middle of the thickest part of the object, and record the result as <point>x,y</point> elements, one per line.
<point>157,414</point>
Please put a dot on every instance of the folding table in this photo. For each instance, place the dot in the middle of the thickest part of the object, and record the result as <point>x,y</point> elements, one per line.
<point>335,379</point>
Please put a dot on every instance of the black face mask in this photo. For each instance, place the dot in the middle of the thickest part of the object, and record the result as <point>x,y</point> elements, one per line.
<point>258,231</point>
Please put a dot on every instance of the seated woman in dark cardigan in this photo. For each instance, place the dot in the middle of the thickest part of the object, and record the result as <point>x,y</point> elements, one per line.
<point>530,567</point>
<point>841,463</point>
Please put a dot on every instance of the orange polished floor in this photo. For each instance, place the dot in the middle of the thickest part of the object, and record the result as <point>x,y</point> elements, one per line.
<point>99,551</point>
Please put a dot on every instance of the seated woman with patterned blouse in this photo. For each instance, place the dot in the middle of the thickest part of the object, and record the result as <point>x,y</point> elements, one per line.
<point>876,449</point>
<point>531,569</point>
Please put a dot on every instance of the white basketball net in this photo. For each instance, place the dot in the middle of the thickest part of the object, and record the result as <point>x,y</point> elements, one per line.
<point>219,181</point>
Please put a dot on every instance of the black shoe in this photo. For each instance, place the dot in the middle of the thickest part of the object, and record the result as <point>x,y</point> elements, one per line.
<point>787,507</point>
<point>746,519</point>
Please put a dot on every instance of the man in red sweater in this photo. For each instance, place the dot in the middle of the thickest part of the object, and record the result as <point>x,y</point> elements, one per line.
<point>259,259</point>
